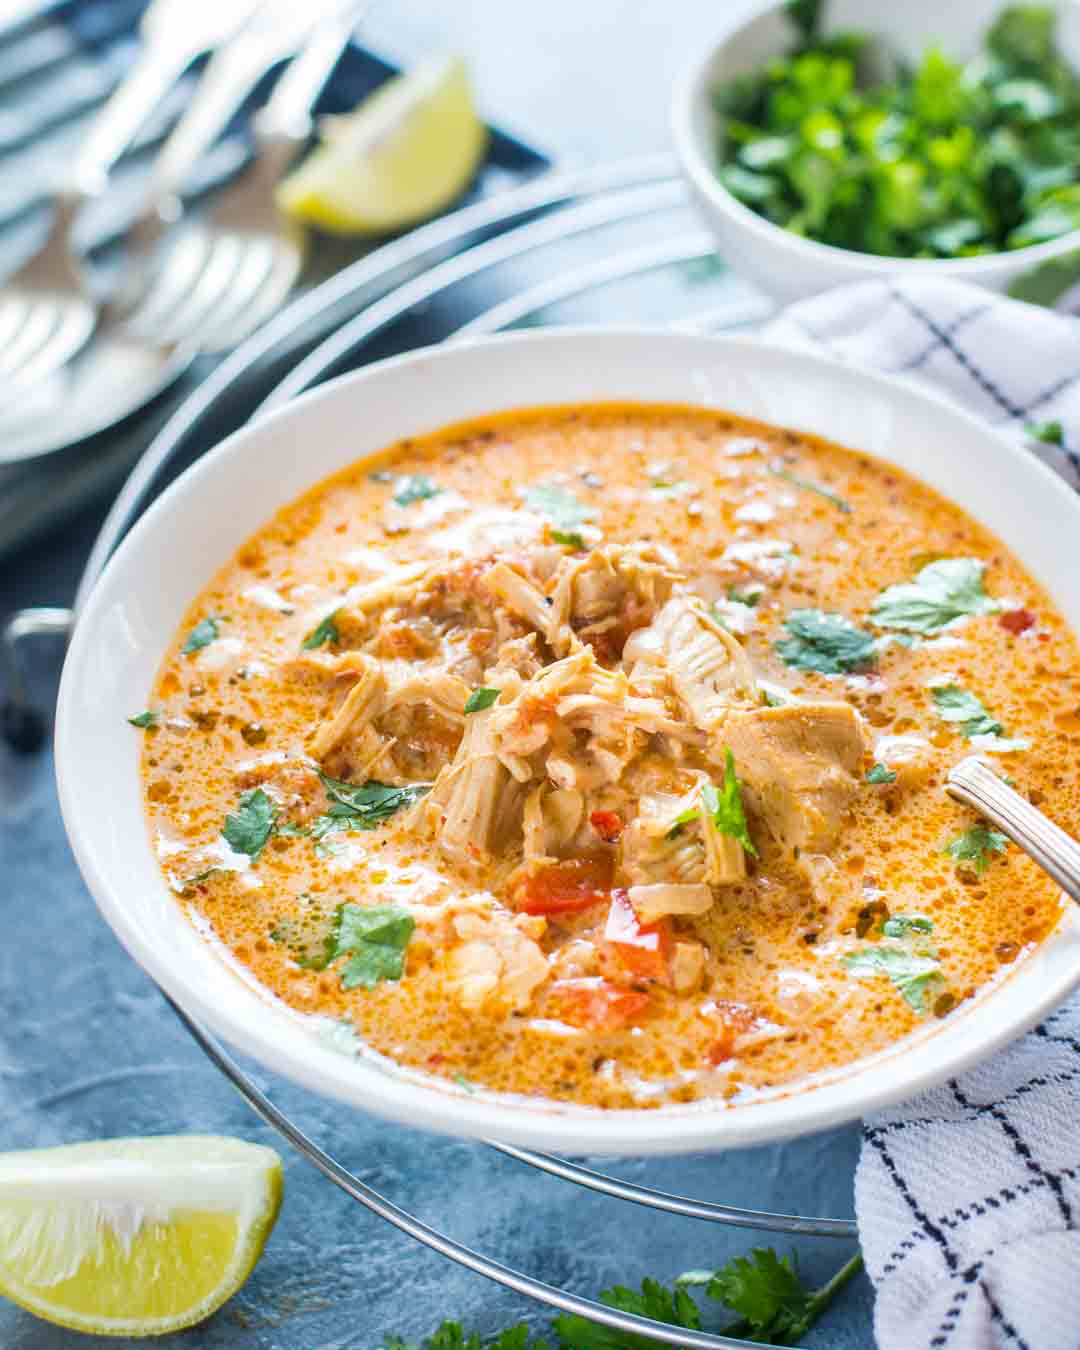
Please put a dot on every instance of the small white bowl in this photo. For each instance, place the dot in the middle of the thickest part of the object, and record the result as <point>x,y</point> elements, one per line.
<point>785,265</point>
<point>202,519</point>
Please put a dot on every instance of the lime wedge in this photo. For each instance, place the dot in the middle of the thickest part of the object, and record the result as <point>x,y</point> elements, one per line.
<point>406,152</point>
<point>134,1237</point>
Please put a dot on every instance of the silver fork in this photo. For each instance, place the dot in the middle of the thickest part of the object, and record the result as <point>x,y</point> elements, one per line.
<point>46,312</point>
<point>213,282</point>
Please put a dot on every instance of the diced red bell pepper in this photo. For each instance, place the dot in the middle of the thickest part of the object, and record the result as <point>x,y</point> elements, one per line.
<point>568,887</point>
<point>1017,621</point>
<point>642,948</point>
<point>735,1020</point>
<point>596,1004</point>
<point>607,824</point>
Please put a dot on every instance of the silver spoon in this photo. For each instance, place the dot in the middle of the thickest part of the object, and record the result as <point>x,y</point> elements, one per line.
<point>1057,853</point>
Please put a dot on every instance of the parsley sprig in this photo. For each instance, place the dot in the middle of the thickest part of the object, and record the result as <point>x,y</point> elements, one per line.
<point>908,957</point>
<point>827,643</point>
<point>976,846</point>
<point>772,1304</point>
<point>971,718</point>
<point>558,505</point>
<point>942,593</point>
<point>415,487</point>
<point>807,485</point>
<point>204,632</point>
<point>723,805</point>
<point>325,631</point>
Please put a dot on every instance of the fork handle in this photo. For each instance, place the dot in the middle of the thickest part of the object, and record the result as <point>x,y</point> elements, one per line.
<point>157,68</point>
<point>1056,852</point>
<point>287,114</point>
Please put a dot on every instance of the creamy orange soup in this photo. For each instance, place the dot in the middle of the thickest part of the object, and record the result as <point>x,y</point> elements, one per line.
<point>596,754</point>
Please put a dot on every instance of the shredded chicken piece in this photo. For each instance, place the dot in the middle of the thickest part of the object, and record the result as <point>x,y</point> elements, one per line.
<point>709,671</point>
<point>520,595</point>
<point>586,718</point>
<point>617,586</point>
<point>498,961</point>
<point>551,821</point>
<point>438,690</point>
<point>686,967</point>
<point>398,587</point>
<point>655,849</point>
<point>799,764</point>
<point>655,901</point>
<point>353,719</point>
<point>474,805</point>
<point>520,656</point>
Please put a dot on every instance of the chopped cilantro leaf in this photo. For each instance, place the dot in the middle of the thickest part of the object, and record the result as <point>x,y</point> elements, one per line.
<point>247,829</point>
<point>204,632</point>
<point>326,630</point>
<point>746,595</point>
<point>976,845</point>
<point>958,705</point>
<point>912,973</point>
<point>725,805</point>
<point>557,504</point>
<point>415,487</point>
<point>374,937</point>
<point>878,773</point>
<point>147,719</point>
<point>828,643</point>
<point>358,806</point>
<point>568,539</point>
<point>1052,433</point>
<point>374,802</point>
<point>806,485</point>
<point>902,925</point>
<point>197,880</point>
<point>480,699</point>
<point>942,592</point>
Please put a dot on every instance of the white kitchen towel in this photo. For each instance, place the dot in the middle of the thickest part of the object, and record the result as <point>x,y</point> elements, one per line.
<point>968,1197</point>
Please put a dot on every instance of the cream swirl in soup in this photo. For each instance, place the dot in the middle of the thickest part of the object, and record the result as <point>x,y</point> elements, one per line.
<point>596,754</point>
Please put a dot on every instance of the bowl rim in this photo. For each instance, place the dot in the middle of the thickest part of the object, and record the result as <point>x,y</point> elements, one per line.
<point>411,1098</point>
<point>691,87</point>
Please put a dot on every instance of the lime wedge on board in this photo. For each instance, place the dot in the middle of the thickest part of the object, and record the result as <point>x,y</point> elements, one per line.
<point>134,1237</point>
<point>401,156</point>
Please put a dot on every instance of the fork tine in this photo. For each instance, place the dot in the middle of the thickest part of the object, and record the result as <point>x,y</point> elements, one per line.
<point>31,337</point>
<point>184,323</point>
<point>13,314</point>
<point>256,264</point>
<point>271,296</point>
<point>169,283</point>
<point>75,324</point>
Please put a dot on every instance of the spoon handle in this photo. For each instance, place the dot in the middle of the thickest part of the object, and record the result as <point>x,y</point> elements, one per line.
<point>972,782</point>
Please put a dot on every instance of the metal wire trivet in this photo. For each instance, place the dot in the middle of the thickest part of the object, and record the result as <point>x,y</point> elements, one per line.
<point>492,248</point>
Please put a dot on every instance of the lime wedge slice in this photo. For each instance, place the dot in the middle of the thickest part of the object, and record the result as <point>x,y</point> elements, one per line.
<point>403,155</point>
<point>134,1237</point>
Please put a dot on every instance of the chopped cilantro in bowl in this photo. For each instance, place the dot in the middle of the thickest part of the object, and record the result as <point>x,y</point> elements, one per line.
<point>839,142</point>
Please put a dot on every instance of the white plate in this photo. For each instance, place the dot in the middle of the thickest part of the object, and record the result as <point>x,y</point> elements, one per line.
<point>197,525</point>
